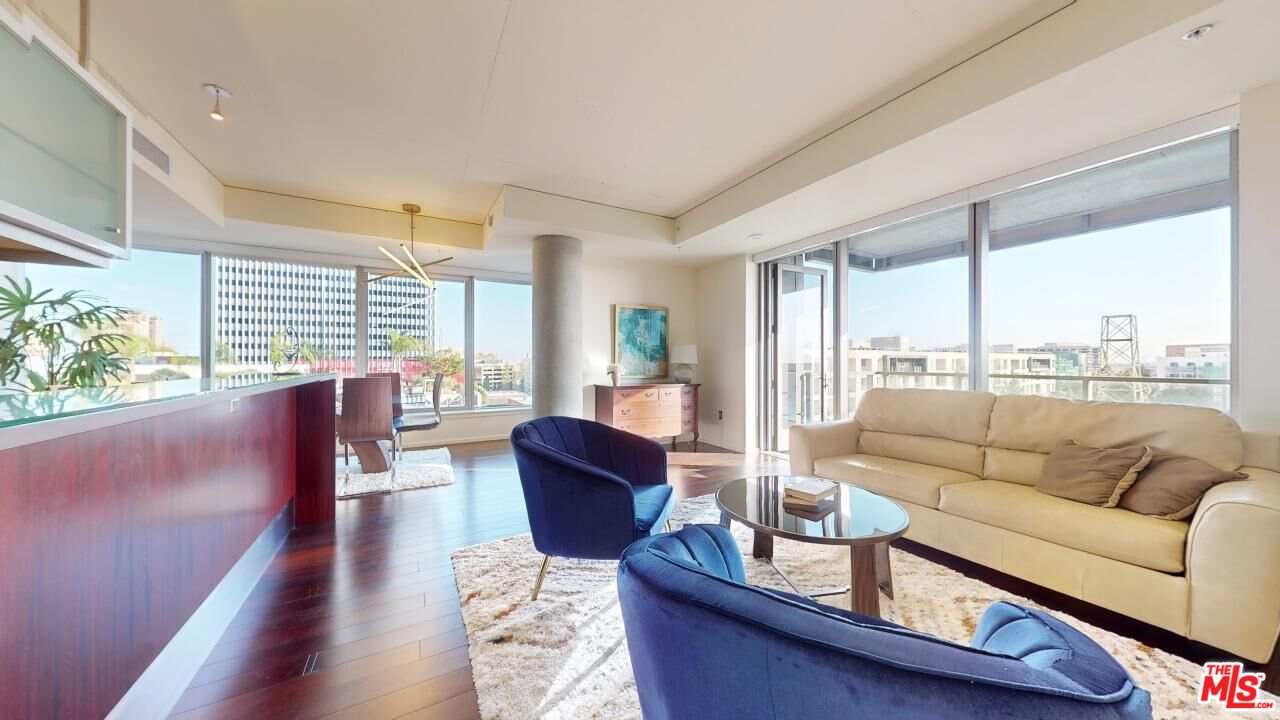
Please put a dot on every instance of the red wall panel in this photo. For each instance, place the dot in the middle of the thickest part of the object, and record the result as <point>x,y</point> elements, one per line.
<point>112,538</point>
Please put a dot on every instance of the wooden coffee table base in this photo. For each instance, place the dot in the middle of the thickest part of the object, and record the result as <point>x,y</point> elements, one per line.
<point>869,573</point>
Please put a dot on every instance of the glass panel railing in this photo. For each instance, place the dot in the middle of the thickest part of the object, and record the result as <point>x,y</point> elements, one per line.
<point>62,147</point>
<point>1203,392</point>
<point>17,408</point>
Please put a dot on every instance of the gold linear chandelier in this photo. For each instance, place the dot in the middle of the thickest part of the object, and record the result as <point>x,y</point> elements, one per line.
<point>416,271</point>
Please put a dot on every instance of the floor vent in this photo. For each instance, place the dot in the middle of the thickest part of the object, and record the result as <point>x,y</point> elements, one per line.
<point>150,151</point>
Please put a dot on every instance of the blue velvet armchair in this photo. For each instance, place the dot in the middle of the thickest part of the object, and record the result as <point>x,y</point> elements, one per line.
<point>590,490</point>
<point>749,653</point>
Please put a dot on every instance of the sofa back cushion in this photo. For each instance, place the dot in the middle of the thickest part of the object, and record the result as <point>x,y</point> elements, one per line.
<point>945,428</point>
<point>1015,466</point>
<point>947,414</point>
<point>926,450</point>
<point>1025,428</point>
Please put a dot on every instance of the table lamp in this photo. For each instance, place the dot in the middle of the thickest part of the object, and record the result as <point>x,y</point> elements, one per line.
<point>683,356</point>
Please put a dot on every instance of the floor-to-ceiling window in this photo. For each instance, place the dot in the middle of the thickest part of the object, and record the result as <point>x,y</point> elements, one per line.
<point>908,300</point>
<point>1123,272</point>
<point>159,328</point>
<point>1113,282</point>
<point>418,332</point>
<point>504,344</point>
<point>194,314</point>
<point>274,316</point>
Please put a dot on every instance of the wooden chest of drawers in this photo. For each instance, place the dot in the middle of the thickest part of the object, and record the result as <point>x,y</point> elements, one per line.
<point>658,410</point>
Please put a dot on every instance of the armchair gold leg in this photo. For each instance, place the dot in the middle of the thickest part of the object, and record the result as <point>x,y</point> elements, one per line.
<point>669,528</point>
<point>542,574</point>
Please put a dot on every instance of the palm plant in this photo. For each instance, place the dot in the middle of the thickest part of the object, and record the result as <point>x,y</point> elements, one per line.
<point>403,345</point>
<point>53,340</point>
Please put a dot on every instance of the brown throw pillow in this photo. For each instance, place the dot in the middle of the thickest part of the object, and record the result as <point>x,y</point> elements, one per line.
<point>1097,476</point>
<point>1171,485</point>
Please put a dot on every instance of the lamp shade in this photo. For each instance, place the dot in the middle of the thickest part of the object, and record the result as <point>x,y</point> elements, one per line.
<point>684,355</point>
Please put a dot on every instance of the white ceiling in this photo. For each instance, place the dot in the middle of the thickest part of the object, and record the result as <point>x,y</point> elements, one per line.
<point>651,106</point>
<point>1155,81</point>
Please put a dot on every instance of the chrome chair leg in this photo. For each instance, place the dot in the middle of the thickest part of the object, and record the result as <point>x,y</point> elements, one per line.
<point>346,454</point>
<point>542,574</point>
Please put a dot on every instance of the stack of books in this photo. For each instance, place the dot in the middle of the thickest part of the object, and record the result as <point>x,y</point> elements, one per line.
<point>810,498</point>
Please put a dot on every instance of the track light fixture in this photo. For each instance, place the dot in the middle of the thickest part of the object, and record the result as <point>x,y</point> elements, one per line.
<point>218,92</point>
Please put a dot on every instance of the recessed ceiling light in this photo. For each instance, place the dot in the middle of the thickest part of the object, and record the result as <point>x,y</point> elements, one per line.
<point>756,236</point>
<point>1198,33</point>
<point>218,92</point>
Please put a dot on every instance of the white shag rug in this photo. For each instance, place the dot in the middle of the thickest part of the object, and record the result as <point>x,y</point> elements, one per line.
<point>417,469</point>
<point>565,656</point>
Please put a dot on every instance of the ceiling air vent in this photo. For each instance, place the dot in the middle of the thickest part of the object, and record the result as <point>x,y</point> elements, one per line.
<point>150,151</point>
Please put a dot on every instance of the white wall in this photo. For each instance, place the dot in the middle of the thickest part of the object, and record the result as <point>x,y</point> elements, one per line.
<point>610,281</point>
<point>470,427</point>
<point>607,281</point>
<point>727,349</point>
<point>1258,290</point>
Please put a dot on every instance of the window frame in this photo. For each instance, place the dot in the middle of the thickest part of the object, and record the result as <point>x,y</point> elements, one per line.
<point>978,247</point>
<point>364,268</point>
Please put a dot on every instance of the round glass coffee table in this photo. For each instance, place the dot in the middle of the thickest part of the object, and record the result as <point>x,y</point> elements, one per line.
<point>861,519</point>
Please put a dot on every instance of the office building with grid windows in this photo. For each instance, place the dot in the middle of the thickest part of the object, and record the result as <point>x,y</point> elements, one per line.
<point>258,300</point>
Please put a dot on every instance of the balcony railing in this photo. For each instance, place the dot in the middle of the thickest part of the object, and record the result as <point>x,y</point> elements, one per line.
<point>1207,392</point>
<point>1078,378</point>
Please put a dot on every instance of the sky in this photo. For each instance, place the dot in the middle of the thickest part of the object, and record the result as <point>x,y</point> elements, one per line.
<point>167,285</point>
<point>504,318</point>
<point>158,283</point>
<point>1174,274</point>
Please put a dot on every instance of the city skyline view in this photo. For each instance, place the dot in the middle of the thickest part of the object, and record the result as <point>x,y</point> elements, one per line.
<point>166,285</point>
<point>1173,274</point>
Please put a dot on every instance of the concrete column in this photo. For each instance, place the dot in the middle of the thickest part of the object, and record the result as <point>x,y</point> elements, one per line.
<point>557,325</point>
<point>1258,262</point>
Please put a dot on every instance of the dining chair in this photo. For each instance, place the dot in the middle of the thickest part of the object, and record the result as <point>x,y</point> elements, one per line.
<point>366,413</point>
<point>402,426</point>
<point>397,399</point>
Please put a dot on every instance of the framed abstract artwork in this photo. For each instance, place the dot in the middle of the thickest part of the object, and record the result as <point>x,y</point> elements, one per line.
<point>640,340</point>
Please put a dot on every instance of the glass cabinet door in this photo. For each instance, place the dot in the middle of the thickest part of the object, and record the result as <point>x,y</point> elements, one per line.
<point>63,149</point>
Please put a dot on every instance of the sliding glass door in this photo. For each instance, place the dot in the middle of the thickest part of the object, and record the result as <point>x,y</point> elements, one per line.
<point>801,348</point>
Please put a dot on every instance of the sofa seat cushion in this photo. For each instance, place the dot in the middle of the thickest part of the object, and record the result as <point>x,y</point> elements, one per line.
<point>653,504</point>
<point>900,479</point>
<point>1110,532</point>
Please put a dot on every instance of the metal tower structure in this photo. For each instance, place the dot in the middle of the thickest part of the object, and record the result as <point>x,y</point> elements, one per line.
<point>1119,358</point>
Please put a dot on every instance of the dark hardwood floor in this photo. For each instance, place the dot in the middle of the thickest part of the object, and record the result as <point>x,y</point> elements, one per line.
<point>362,619</point>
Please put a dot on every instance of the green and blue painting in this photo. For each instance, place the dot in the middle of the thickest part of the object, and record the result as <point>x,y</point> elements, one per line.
<point>640,340</point>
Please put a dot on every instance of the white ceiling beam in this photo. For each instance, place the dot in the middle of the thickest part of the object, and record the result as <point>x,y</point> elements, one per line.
<point>1071,37</point>
<point>523,211</point>
<point>277,209</point>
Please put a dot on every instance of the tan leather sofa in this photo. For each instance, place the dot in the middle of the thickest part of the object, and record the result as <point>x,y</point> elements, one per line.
<point>965,465</point>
